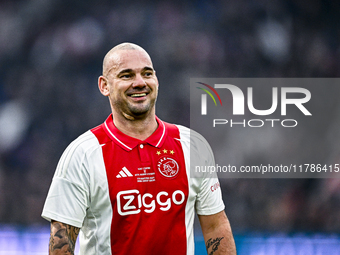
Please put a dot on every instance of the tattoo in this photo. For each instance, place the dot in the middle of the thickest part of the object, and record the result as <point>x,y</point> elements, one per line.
<point>51,244</point>
<point>63,238</point>
<point>214,243</point>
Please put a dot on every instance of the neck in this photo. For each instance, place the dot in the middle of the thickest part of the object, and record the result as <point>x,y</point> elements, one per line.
<point>137,128</point>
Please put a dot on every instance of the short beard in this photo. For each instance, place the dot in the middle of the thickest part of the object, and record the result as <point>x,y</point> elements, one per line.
<point>134,111</point>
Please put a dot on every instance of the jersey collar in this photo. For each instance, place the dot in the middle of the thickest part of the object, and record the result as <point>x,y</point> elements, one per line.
<point>127,142</point>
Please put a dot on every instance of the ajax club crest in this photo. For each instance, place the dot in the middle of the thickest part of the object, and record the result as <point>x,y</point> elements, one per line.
<point>168,167</point>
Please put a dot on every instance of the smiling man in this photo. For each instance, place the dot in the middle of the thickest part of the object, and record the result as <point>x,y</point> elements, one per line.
<point>130,83</point>
<point>125,185</point>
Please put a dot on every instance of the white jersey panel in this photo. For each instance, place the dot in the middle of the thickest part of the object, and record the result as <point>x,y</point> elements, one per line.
<point>80,184</point>
<point>202,197</point>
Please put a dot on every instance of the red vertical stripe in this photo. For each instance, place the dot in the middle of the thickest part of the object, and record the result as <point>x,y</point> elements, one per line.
<point>149,207</point>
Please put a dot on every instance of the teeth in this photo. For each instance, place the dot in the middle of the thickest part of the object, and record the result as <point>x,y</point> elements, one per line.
<point>138,95</point>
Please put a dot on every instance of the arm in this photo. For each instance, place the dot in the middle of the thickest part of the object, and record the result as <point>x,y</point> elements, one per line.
<point>63,238</point>
<point>217,234</point>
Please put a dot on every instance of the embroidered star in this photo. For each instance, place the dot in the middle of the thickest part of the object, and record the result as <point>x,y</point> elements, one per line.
<point>158,153</point>
<point>165,151</point>
<point>172,152</point>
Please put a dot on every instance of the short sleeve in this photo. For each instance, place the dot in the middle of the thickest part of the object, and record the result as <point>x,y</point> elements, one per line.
<point>209,196</point>
<point>209,199</point>
<point>68,196</point>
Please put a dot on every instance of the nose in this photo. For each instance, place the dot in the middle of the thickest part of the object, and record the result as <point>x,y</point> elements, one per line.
<point>139,81</point>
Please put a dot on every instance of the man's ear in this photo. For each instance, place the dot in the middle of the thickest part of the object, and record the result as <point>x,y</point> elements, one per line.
<point>103,86</point>
<point>156,79</point>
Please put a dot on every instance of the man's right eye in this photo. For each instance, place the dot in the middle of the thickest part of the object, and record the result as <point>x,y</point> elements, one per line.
<point>125,76</point>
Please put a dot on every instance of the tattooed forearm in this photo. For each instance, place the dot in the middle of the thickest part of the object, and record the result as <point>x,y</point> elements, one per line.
<point>214,243</point>
<point>63,238</point>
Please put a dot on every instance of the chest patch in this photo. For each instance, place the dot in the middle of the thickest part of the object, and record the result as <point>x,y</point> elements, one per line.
<point>168,167</point>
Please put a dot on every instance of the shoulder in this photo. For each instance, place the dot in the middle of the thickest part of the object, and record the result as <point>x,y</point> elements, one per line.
<point>195,139</point>
<point>184,132</point>
<point>191,139</point>
<point>76,152</point>
<point>84,143</point>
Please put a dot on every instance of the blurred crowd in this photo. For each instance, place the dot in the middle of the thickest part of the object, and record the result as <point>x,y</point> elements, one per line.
<point>51,54</point>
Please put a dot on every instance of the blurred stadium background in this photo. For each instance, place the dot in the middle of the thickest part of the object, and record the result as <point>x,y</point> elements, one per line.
<point>51,53</point>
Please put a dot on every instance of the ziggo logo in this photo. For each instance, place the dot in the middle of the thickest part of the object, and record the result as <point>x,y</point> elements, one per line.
<point>126,203</point>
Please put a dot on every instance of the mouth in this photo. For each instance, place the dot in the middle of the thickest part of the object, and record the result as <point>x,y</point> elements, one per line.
<point>138,95</point>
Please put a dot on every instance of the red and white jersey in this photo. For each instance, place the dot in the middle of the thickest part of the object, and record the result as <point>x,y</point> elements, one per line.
<point>130,196</point>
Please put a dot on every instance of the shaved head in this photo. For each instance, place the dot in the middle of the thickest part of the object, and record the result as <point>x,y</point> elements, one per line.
<point>111,58</point>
